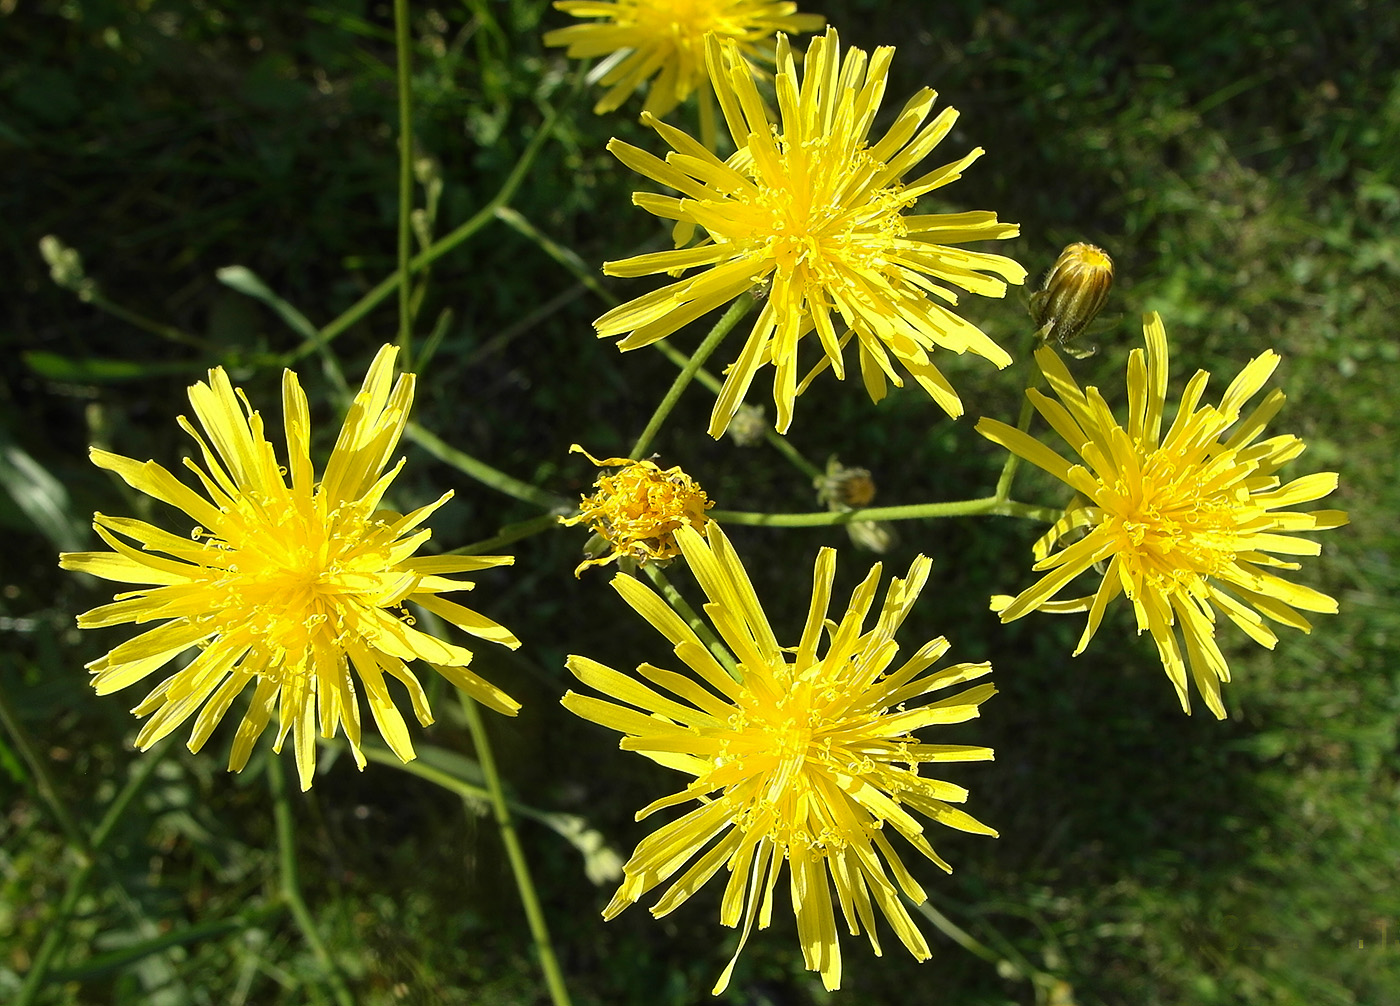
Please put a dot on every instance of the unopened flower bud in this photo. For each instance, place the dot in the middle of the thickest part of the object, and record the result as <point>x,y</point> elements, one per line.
<point>65,266</point>
<point>1074,291</point>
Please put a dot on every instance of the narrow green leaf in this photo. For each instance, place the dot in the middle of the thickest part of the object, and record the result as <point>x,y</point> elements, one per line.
<point>245,281</point>
<point>40,496</point>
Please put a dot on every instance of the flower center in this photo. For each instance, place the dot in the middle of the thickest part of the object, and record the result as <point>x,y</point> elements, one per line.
<point>813,213</point>
<point>1172,526</point>
<point>282,572</point>
<point>782,749</point>
<point>684,21</point>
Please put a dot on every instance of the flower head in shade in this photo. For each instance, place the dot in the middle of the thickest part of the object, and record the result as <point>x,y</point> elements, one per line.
<point>809,759</point>
<point>291,583</point>
<point>1189,521</point>
<point>812,212</point>
<point>664,41</point>
<point>637,510</point>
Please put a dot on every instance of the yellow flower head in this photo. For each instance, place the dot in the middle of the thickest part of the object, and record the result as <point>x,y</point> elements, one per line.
<point>1074,292</point>
<point>637,510</point>
<point>810,759</point>
<point>812,212</point>
<point>1185,520</point>
<point>665,39</point>
<point>292,583</point>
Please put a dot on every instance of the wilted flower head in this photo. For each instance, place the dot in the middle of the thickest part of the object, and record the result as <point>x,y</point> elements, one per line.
<point>749,425</point>
<point>664,41</point>
<point>813,211</point>
<point>1074,292</point>
<point>841,487</point>
<point>1185,520</point>
<point>637,510</point>
<point>291,583</point>
<point>809,760</point>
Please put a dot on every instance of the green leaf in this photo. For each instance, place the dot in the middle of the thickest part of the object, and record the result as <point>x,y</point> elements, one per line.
<point>93,370</point>
<point>41,497</point>
<point>245,281</point>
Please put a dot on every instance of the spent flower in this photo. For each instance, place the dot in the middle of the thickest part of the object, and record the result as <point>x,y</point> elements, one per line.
<point>1189,522</point>
<point>637,510</point>
<point>808,760</point>
<point>812,211</point>
<point>290,583</point>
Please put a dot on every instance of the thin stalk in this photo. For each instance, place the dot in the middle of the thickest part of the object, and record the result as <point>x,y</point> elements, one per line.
<point>511,533</point>
<point>446,780</point>
<point>484,473</point>
<point>1013,461</point>
<point>291,886</point>
<point>167,332</point>
<point>403,59</point>
<point>785,448</point>
<point>43,781</point>
<point>553,977</point>
<point>987,506</point>
<point>571,261</point>
<point>43,958</point>
<point>958,934</point>
<point>713,385</point>
<point>442,246</point>
<point>697,624</point>
<point>737,310</point>
<point>1023,422</point>
<point>1011,957</point>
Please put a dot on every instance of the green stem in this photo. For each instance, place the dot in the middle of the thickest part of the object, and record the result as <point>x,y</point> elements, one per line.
<point>403,59</point>
<point>571,261</point>
<point>958,934</point>
<point>43,781</point>
<point>988,506</point>
<point>553,977</point>
<point>510,533</point>
<point>696,623</point>
<point>785,448</point>
<point>446,780</point>
<point>711,383</point>
<point>167,332</point>
<point>43,958</point>
<point>77,840</point>
<point>484,473</point>
<point>291,886</point>
<point>441,247</point>
<point>1023,422</point>
<point>1013,461</point>
<point>737,310</point>
<point>1010,957</point>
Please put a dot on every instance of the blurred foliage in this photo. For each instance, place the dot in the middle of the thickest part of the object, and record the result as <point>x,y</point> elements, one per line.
<point>1242,165</point>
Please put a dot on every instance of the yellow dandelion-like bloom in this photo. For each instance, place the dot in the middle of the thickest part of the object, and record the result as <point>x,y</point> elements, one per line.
<point>638,509</point>
<point>665,39</point>
<point>812,213</point>
<point>810,759</point>
<point>296,587</point>
<point>1185,520</point>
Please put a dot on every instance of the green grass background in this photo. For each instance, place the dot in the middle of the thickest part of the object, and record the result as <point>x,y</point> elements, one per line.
<point>1241,162</point>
